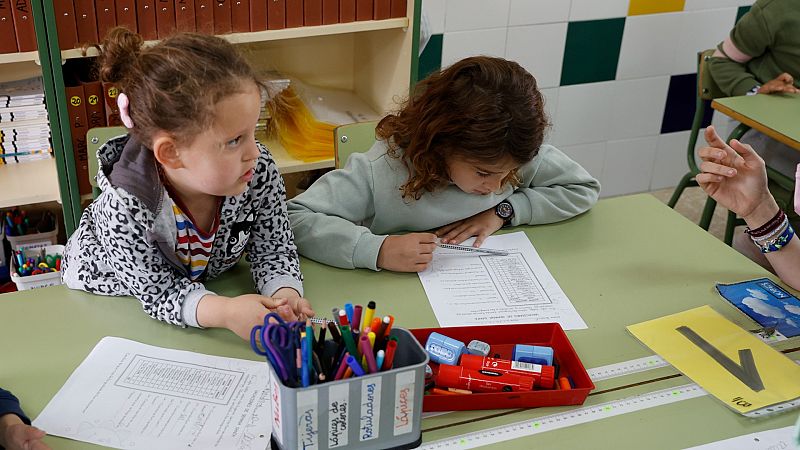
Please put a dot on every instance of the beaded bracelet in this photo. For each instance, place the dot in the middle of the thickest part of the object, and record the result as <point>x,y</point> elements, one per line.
<point>773,245</point>
<point>769,226</point>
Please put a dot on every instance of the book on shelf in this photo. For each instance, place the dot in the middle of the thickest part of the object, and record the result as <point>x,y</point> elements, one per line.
<point>24,124</point>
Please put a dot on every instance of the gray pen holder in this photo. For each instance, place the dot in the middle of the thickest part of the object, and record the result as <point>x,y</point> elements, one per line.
<point>381,410</point>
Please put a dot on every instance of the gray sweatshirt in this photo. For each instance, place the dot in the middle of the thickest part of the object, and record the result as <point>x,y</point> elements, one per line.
<point>343,218</point>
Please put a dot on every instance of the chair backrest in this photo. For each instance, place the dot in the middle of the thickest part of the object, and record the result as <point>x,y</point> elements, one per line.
<point>352,138</point>
<point>707,89</point>
<point>95,138</point>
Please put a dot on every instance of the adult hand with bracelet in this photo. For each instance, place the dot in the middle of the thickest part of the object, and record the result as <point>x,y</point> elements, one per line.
<point>736,177</point>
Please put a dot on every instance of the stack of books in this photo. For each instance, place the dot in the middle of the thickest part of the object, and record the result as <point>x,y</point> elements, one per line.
<point>24,125</point>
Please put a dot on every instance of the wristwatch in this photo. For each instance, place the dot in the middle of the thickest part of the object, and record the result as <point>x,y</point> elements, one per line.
<point>505,211</point>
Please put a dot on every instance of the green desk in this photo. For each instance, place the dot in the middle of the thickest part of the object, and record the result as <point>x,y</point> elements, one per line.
<point>623,262</point>
<point>774,115</point>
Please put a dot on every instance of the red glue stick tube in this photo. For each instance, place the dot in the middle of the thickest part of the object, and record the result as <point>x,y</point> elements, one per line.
<point>543,376</point>
<point>481,381</point>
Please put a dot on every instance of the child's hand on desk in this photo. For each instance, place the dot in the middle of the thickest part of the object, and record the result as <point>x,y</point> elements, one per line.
<point>299,307</point>
<point>407,253</point>
<point>240,314</point>
<point>782,83</point>
<point>481,225</point>
<point>15,435</point>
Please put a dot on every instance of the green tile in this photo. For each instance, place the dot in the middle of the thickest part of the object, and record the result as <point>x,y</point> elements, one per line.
<point>741,11</point>
<point>591,53</point>
<point>431,58</point>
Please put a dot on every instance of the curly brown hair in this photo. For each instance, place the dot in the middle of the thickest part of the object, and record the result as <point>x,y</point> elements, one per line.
<point>173,85</point>
<point>480,109</point>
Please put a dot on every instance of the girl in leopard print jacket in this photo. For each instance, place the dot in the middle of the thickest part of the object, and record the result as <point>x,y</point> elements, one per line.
<point>187,191</point>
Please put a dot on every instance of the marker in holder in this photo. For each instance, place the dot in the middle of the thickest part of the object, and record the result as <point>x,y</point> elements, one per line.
<point>380,410</point>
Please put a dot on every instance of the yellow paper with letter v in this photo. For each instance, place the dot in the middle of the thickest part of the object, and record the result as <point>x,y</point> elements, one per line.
<point>725,360</point>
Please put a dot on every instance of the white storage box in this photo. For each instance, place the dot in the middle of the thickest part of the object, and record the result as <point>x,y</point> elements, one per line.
<point>36,281</point>
<point>35,240</point>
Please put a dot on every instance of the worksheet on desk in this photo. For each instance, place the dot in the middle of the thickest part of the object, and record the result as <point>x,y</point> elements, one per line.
<point>135,396</point>
<point>471,288</point>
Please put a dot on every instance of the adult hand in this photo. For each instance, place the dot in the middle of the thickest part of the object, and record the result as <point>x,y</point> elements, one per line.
<point>407,253</point>
<point>480,225</point>
<point>782,83</point>
<point>736,177</point>
<point>16,435</point>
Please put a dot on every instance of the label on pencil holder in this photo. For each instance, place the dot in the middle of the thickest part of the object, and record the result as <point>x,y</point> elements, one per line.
<point>307,419</point>
<point>370,418</point>
<point>338,409</point>
<point>277,423</point>
<point>404,403</point>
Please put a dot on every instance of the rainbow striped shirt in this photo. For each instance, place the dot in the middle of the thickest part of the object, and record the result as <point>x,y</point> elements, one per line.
<point>194,245</point>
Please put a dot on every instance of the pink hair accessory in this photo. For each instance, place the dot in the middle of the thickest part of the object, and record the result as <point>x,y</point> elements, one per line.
<point>124,115</point>
<point>797,191</point>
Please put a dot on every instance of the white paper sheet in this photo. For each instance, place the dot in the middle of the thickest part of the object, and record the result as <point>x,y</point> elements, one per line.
<point>135,396</point>
<point>778,439</point>
<point>470,288</point>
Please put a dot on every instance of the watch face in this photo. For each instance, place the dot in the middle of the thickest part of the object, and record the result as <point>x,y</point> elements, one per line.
<point>504,210</point>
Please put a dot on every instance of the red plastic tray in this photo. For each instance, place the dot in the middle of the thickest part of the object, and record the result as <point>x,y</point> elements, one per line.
<point>502,339</point>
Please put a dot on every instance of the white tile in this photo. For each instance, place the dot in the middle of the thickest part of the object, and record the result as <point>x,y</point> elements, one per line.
<point>475,14</point>
<point>694,5</point>
<point>670,163</point>
<point>590,156</point>
<point>583,113</point>
<point>550,107</point>
<point>701,30</point>
<point>648,45</point>
<point>597,9</point>
<point>460,44</point>
<point>530,12</point>
<point>539,49</point>
<point>628,166</point>
<point>637,107</point>
<point>434,10</point>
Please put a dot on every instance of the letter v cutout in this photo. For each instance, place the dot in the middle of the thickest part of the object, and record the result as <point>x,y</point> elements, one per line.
<point>746,372</point>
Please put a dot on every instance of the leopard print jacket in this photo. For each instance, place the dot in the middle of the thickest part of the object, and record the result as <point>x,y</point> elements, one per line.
<point>125,243</point>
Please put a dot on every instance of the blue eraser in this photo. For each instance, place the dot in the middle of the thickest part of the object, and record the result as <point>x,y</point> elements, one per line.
<point>476,347</point>
<point>533,354</point>
<point>444,350</point>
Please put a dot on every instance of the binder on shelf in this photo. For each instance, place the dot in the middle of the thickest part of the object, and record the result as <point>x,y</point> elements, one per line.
<point>165,18</point>
<point>382,9</point>
<point>204,16</point>
<point>347,11</point>
<point>222,16</point>
<point>126,14</point>
<point>184,15</point>
<point>312,12</point>
<point>8,37</point>
<point>294,13</point>
<point>399,8</point>
<point>106,17</point>
<point>110,93</point>
<point>86,21</point>
<point>240,16</point>
<point>330,12</point>
<point>258,15</point>
<point>95,111</point>
<point>276,14</point>
<point>146,19</point>
<point>76,111</point>
<point>23,25</point>
<point>66,26</point>
<point>364,10</point>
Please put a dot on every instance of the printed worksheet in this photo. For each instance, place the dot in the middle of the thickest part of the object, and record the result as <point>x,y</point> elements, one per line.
<point>471,288</point>
<point>135,396</point>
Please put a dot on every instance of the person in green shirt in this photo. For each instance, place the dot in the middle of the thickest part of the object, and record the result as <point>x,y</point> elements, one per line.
<point>762,56</point>
<point>462,158</point>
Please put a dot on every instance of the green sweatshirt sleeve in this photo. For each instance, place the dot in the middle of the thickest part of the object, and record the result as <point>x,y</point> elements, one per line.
<point>556,188</point>
<point>751,36</point>
<point>324,218</point>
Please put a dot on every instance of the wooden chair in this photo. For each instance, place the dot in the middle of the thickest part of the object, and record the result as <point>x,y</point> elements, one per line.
<point>95,138</point>
<point>352,138</point>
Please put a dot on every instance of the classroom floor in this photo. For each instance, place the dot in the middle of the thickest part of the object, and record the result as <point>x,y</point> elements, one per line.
<point>691,206</point>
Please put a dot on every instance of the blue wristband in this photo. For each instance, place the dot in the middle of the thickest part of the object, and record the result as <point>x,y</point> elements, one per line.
<point>780,241</point>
